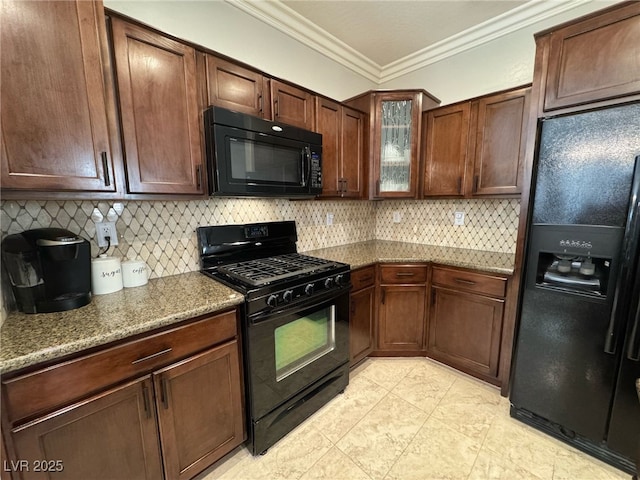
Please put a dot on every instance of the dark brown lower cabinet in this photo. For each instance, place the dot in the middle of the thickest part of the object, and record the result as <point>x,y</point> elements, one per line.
<point>401,317</point>
<point>198,410</point>
<point>361,321</point>
<point>465,321</point>
<point>107,436</point>
<point>402,304</point>
<point>167,405</point>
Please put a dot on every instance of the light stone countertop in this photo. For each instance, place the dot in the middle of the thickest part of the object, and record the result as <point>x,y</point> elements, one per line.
<point>28,339</point>
<point>367,253</point>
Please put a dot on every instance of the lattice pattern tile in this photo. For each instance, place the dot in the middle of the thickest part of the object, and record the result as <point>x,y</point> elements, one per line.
<point>488,224</point>
<point>162,233</point>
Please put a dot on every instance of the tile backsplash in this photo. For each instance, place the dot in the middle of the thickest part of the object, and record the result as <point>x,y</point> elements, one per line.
<point>162,233</point>
<point>490,224</point>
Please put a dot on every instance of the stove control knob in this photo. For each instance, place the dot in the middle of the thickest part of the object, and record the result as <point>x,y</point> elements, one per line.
<point>272,301</point>
<point>328,283</point>
<point>308,290</point>
<point>287,296</point>
<point>340,280</point>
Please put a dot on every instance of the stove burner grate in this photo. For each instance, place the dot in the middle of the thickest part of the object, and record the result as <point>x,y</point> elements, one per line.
<point>267,270</point>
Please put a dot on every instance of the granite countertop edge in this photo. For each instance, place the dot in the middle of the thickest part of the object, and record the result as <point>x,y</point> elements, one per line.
<point>27,340</point>
<point>30,339</point>
<point>362,254</point>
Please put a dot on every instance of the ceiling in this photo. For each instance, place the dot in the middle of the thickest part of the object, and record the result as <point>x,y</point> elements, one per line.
<point>384,39</point>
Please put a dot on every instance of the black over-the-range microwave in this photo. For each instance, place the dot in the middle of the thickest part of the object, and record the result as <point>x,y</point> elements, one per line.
<point>249,156</point>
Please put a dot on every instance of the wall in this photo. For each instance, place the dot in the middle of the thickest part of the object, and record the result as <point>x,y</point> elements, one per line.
<point>163,234</point>
<point>500,64</point>
<point>227,30</point>
<point>488,224</point>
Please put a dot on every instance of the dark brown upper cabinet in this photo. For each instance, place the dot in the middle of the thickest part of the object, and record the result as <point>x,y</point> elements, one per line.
<point>446,139</point>
<point>500,139</point>
<point>394,139</point>
<point>292,105</point>
<point>595,59</point>
<point>59,124</point>
<point>237,88</point>
<point>476,147</point>
<point>160,111</point>
<point>342,130</point>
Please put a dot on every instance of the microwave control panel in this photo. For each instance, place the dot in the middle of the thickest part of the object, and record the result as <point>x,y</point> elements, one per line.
<point>316,170</point>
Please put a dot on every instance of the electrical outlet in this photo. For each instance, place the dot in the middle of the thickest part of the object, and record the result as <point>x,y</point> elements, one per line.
<point>104,230</point>
<point>329,218</point>
<point>397,217</point>
<point>458,218</point>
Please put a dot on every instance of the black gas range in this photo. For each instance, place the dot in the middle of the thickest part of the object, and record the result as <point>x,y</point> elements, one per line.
<point>295,322</point>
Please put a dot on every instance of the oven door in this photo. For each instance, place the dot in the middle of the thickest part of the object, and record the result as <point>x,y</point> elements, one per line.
<point>292,349</point>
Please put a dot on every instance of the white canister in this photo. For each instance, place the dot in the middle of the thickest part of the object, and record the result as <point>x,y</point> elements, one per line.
<point>134,273</point>
<point>106,275</point>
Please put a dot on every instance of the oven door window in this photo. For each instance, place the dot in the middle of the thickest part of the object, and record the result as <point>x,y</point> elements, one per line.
<point>302,341</point>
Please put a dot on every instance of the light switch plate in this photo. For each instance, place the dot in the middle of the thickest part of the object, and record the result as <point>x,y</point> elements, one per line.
<point>397,217</point>
<point>458,218</point>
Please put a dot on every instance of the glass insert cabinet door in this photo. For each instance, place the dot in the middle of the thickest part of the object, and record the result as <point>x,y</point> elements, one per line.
<point>395,146</point>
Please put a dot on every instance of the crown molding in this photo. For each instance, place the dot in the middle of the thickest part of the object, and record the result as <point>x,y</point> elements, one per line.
<point>291,23</point>
<point>509,22</point>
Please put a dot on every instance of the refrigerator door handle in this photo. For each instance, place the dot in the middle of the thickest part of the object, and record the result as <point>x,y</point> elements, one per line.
<point>633,349</point>
<point>630,244</point>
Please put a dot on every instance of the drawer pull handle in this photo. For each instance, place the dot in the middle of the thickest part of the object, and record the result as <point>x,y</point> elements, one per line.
<point>405,274</point>
<point>466,282</point>
<point>367,279</point>
<point>153,355</point>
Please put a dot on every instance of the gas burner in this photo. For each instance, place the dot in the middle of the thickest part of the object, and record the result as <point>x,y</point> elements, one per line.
<point>264,271</point>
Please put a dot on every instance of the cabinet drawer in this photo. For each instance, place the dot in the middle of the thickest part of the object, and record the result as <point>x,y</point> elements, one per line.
<point>470,281</point>
<point>403,273</point>
<point>363,277</point>
<point>43,390</point>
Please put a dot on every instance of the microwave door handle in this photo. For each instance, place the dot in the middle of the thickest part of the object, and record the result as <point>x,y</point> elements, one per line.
<point>306,163</point>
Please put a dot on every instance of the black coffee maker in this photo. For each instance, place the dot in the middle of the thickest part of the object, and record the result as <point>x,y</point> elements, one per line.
<point>49,269</point>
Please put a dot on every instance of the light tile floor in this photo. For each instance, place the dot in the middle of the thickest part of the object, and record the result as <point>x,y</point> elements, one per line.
<point>414,419</point>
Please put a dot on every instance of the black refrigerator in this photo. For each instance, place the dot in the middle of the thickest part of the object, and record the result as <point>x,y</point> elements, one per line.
<point>577,348</point>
